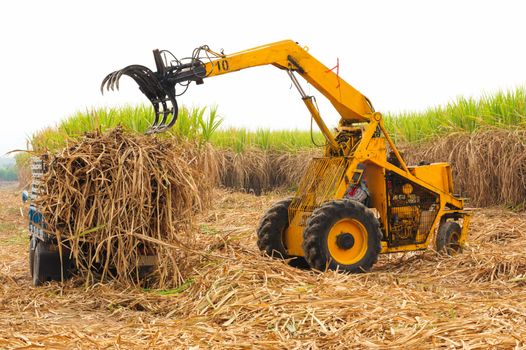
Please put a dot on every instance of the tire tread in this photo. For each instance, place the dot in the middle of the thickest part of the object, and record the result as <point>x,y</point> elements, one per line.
<point>318,226</point>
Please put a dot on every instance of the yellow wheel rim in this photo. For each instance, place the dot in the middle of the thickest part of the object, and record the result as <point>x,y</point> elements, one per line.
<point>356,247</point>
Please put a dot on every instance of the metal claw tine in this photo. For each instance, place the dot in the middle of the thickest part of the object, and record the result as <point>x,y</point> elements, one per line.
<point>111,81</point>
<point>156,118</point>
<point>175,112</point>
<point>104,81</point>
<point>149,131</point>
<point>172,122</point>
<point>161,96</point>
<point>144,84</point>
<point>166,111</point>
<point>104,85</point>
<point>146,80</point>
<point>108,80</point>
<point>133,70</point>
<point>115,77</point>
<point>115,80</point>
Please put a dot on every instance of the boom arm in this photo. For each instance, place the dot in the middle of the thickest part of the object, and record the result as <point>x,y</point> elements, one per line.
<point>288,55</point>
<point>159,86</point>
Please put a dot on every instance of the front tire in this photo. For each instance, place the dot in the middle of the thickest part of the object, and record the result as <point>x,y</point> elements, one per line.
<point>271,234</point>
<point>342,235</point>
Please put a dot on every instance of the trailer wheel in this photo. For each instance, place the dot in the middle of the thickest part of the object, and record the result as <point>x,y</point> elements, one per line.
<point>343,235</point>
<point>37,272</point>
<point>32,245</point>
<point>448,236</point>
<point>47,265</point>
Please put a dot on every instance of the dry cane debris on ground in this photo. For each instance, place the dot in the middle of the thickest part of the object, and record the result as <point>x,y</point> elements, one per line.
<point>237,299</point>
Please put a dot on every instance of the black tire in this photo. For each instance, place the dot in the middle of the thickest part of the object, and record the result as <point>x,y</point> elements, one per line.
<point>447,240</point>
<point>366,238</point>
<point>270,233</point>
<point>32,242</point>
<point>271,229</point>
<point>47,265</point>
<point>38,276</point>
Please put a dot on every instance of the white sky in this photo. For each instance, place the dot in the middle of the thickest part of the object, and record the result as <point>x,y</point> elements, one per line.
<point>404,55</point>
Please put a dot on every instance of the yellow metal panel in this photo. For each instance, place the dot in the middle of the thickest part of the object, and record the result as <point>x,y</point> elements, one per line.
<point>437,175</point>
<point>294,234</point>
<point>375,179</point>
<point>465,227</point>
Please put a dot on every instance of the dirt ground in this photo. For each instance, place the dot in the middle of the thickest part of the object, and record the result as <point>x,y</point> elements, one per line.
<point>239,299</point>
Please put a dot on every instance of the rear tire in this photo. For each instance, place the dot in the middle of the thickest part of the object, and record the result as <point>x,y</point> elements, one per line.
<point>271,233</point>
<point>32,246</point>
<point>37,274</point>
<point>272,228</point>
<point>47,265</point>
<point>343,235</point>
<point>448,237</point>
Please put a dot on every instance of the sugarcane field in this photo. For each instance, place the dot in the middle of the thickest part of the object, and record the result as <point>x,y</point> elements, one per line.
<point>363,187</point>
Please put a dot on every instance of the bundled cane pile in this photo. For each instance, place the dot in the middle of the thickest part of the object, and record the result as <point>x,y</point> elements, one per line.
<point>113,199</point>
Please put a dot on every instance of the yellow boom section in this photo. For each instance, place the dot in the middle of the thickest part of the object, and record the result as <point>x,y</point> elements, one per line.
<point>288,55</point>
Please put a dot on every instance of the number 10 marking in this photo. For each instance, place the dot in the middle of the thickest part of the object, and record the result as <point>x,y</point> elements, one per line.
<point>222,65</point>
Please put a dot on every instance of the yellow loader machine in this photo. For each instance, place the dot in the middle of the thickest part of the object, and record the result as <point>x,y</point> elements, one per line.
<point>359,199</point>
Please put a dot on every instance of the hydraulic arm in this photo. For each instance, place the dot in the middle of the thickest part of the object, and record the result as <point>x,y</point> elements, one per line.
<point>160,86</point>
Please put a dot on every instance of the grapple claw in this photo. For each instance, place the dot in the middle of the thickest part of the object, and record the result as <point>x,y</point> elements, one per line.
<point>159,87</point>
